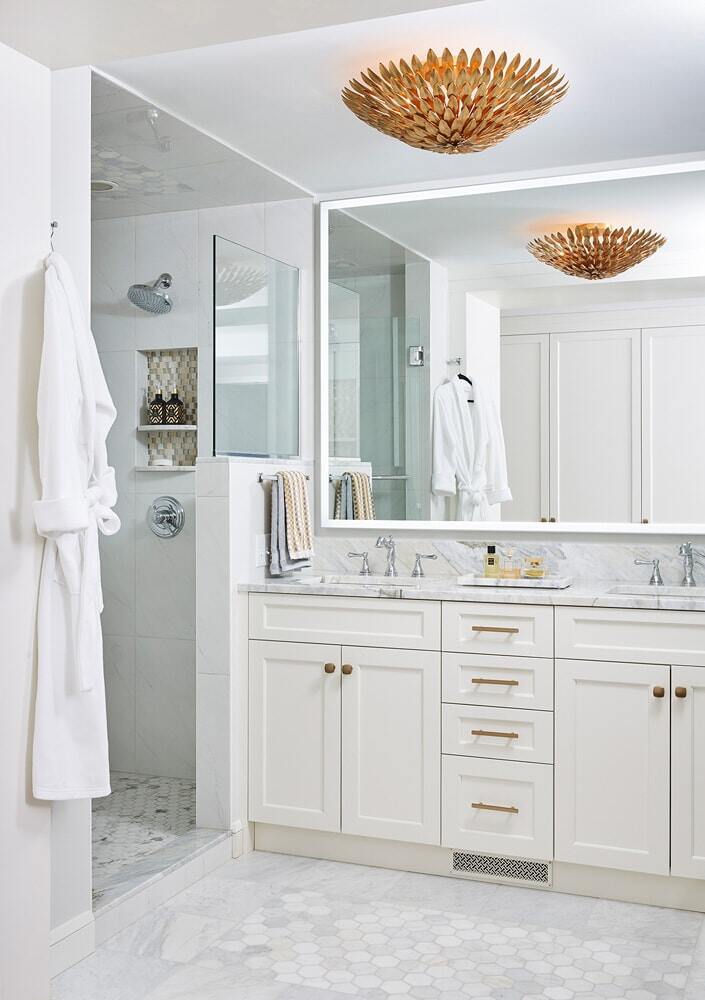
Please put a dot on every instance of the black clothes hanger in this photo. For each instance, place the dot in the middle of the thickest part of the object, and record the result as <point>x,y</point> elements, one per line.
<point>464,378</point>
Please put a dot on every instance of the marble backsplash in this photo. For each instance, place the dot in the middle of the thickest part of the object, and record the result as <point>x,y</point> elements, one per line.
<point>580,560</point>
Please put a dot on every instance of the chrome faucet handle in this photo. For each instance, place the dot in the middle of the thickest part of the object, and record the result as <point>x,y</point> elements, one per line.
<point>656,578</point>
<point>365,568</point>
<point>418,568</point>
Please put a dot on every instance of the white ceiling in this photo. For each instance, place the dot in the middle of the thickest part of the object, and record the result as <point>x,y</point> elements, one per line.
<point>170,170</point>
<point>85,32</point>
<point>635,68</point>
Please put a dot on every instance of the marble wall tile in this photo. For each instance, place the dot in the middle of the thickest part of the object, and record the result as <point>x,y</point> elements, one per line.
<point>168,242</point>
<point>119,371</point>
<point>213,589</point>
<point>112,273</point>
<point>166,707</point>
<point>213,478</point>
<point>165,598</point>
<point>165,482</point>
<point>213,756</point>
<point>580,560</point>
<point>117,566</point>
<point>119,666</point>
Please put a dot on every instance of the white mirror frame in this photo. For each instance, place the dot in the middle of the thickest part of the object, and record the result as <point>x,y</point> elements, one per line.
<point>467,528</point>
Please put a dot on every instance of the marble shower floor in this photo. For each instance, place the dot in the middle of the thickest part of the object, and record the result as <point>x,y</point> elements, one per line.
<point>272,927</point>
<point>147,825</point>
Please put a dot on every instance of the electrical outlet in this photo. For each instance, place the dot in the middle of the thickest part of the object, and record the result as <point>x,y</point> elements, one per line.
<point>262,550</point>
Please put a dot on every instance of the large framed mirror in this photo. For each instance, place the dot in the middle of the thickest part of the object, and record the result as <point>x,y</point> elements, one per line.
<point>520,353</point>
<point>256,353</point>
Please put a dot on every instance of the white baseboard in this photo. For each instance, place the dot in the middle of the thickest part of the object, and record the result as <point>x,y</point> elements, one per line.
<point>580,880</point>
<point>71,942</point>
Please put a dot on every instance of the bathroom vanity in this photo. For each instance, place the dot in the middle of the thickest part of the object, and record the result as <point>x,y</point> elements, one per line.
<point>543,737</point>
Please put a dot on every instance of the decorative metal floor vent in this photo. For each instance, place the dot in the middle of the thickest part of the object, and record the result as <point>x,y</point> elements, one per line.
<point>501,869</point>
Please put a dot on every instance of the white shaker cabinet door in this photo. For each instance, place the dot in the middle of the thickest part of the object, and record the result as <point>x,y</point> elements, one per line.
<point>391,744</point>
<point>673,363</point>
<point>295,734</point>
<point>688,772</point>
<point>595,426</point>
<point>612,764</point>
<point>525,394</point>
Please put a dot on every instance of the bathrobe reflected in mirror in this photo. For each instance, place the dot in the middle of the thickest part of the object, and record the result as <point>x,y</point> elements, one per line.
<point>75,413</point>
<point>468,453</point>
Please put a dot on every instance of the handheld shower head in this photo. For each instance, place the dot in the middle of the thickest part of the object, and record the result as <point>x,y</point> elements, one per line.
<point>152,298</point>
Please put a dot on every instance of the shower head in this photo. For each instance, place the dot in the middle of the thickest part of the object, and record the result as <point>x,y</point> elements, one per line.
<point>152,298</point>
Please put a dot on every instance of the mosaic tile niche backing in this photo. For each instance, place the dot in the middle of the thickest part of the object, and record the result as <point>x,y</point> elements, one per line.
<point>166,369</point>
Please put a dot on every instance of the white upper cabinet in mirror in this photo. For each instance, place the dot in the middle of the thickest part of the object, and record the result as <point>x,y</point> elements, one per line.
<point>467,377</point>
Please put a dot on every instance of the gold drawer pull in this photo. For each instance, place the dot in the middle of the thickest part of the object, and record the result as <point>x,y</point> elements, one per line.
<point>659,691</point>
<point>681,692</point>
<point>498,809</point>
<point>329,668</point>
<point>507,629</point>
<point>492,680</point>
<point>500,736</point>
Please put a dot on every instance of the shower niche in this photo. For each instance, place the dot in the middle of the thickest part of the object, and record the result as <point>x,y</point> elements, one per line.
<point>167,447</point>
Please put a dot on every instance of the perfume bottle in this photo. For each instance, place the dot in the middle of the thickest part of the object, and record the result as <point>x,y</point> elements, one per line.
<point>492,561</point>
<point>157,409</point>
<point>174,409</point>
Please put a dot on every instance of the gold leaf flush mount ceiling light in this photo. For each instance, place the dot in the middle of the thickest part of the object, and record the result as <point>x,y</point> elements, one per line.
<point>593,251</point>
<point>454,104</point>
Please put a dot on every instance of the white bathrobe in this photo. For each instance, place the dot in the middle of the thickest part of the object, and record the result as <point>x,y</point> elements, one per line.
<point>75,413</point>
<point>468,449</point>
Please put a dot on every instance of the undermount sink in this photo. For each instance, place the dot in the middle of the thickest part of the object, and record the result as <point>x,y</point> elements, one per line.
<point>650,590</point>
<point>357,580</point>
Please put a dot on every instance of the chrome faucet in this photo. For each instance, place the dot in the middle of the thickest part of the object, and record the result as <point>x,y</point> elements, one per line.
<point>656,578</point>
<point>388,543</point>
<point>418,567</point>
<point>687,551</point>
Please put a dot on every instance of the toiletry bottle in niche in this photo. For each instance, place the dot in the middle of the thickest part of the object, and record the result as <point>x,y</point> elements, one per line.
<point>174,409</point>
<point>492,562</point>
<point>157,409</point>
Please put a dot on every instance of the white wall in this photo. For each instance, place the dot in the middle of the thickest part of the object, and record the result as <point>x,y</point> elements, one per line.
<point>71,914</point>
<point>25,211</point>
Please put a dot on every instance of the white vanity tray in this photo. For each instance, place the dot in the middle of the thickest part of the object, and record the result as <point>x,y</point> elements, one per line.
<point>544,583</point>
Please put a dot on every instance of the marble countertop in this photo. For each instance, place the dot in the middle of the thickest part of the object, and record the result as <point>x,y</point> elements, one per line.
<point>582,593</point>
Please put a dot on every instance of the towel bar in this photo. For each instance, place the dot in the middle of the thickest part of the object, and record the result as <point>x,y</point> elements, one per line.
<point>267,477</point>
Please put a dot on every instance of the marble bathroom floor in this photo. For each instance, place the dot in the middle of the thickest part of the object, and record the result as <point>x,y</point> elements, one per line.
<point>272,927</point>
<point>146,824</point>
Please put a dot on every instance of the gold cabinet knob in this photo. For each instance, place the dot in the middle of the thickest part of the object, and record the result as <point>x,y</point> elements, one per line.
<point>329,668</point>
<point>544,520</point>
<point>552,520</point>
<point>347,668</point>
<point>644,520</point>
<point>681,692</point>
<point>659,692</point>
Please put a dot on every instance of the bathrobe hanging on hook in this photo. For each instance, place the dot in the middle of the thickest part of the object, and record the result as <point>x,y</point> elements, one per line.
<point>468,450</point>
<point>75,413</point>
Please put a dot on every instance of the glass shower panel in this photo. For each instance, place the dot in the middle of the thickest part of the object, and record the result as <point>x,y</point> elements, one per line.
<point>256,353</point>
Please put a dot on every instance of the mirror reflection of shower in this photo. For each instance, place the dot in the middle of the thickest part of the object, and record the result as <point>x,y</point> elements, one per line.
<point>152,298</point>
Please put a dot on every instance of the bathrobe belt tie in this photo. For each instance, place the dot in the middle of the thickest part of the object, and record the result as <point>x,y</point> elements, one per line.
<point>103,519</point>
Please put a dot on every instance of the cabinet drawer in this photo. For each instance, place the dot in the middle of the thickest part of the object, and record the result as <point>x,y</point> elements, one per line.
<point>497,628</point>
<point>498,807</point>
<point>354,621</point>
<point>500,733</point>
<point>631,636</point>
<point>503,681</point>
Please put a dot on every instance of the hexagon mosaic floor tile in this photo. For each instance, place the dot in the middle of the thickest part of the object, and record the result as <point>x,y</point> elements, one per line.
<point>276,928</point>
